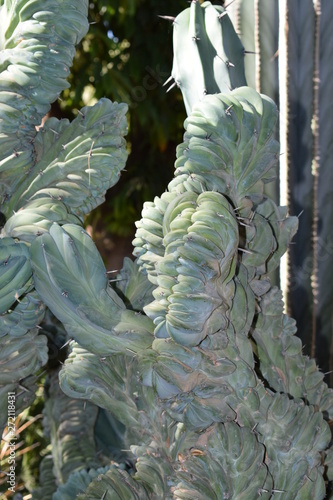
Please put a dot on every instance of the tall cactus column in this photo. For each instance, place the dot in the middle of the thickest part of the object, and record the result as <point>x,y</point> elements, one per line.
<point>208,55</point>
<point>256,23</point>
<point>299,37</point>
<point>307,132</point>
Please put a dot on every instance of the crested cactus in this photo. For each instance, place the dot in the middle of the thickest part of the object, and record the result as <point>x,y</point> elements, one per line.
<point>70,426</point>
<point>214,353</point>
<point>194,365</point>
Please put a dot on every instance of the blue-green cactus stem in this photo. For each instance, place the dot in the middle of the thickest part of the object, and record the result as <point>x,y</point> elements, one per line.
<point>76,162</point>
<point>201,244</point>
<point>282,363</point>
<point>23,315</point>
<point>37,48</point>
<point>229,146</point>
<point>70,275</point>
<point>15,272</point>
<point>208,55</point>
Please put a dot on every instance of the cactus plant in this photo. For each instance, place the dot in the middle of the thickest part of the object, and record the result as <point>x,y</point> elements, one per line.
<point>224,374</point>
<point>195,367</point>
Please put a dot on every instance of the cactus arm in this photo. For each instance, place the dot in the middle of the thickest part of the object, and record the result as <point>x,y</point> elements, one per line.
<point>70,425</point>
<point>190,38</point>
<point>24,390</point>
<point>208,55</point>
<point>266,44</point>
<point>228,462</point>
<point>70,276</point>
<point>283,228</point>
<point>22,356</point>
<point>47,481</point>
<point>36,217</point>
<point>237,165</point>
<point>20,360</point>
<point>297,435</point>
<point>37,48</point>
<point>15,272</point>
<point>26,314</point>
<point>282,363</point>
<point>256,22</point>
<point>22,350</point>
<point>77,162</point>
<point>116,397</point>
<point>32,39</point>
<point>246,21</point>
<point>202,260</point>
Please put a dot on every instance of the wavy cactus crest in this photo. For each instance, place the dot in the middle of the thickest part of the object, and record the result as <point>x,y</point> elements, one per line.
<point>201,241</point>
<point>214,215</point>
